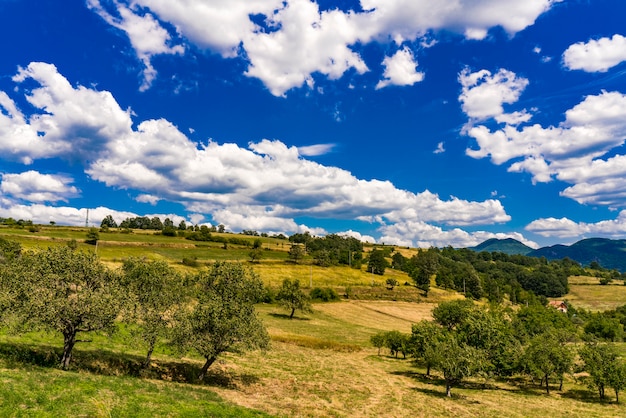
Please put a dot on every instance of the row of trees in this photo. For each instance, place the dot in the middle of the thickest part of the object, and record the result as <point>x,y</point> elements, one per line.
<point>491,275</point>
<point>466,339</point>
<point>330,250</point>
<point>73,293</point>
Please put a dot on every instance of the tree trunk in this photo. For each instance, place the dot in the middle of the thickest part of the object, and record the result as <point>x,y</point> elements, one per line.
<point>547,385</point>
<point>69,339</point>
<point>561,384</point>
<point>428,370</point>
<point>616,396</point>
<point>448,390</point>
<point>209,361</point>
<point>146,362</point>
<point>293,311</point>
<point>601,391</point>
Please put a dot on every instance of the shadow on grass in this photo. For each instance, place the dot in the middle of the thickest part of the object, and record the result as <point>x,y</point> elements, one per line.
<point>109,363</point>
<point>285,316</point>
<point>587,396</point>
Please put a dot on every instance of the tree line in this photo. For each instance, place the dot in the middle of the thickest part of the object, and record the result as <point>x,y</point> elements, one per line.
<point>466,339</point>
<point>495,276</point>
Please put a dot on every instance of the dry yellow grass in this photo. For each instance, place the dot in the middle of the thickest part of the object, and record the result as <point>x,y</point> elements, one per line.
<point>597,297</point>
<point>381,315</point>
<point>297,380</point>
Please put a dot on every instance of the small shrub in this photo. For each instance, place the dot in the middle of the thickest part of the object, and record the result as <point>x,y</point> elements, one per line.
<point>190,262</point>
<point>325,294</point>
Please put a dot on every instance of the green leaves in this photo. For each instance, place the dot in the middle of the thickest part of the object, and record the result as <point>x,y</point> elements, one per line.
<point>292,297</point>
<point>224,318</point>
<point>64,291</point>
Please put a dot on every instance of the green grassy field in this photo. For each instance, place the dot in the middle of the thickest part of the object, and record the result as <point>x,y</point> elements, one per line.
<point>319,364</point>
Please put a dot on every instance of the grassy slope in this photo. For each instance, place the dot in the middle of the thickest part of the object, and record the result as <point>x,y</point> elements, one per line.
<point>319,364</point>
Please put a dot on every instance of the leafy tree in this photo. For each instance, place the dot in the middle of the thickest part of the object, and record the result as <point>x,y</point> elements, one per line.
<point>605,328</point>
<point>537,319</point>
<point>396,342</point>
<point>398,261</point>
<point>224,318</point>
<point>296,253</point>
<point>598,362</point>
<point>425,265</point>
<point>182,226</point>
<point>451,314</point>
<point>108,222</point>
<point>424,343</point>
<point>255,255</point>
<point>457,361</point>
<point>156,224</point>
<point>378,340</point>
<point>292,297</point>
<point>617,378</point>
<point>489,329</point>
<point>66,291</point>
<point>154,293</point>
<point>547,355</point>
<point>92,236</point>
<point>377,262</point>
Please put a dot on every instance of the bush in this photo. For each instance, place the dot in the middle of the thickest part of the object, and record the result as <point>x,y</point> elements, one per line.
<point>190,262</point>
<point>325,294</point>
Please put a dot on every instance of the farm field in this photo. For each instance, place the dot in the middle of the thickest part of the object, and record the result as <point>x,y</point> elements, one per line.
<point>319,364</point>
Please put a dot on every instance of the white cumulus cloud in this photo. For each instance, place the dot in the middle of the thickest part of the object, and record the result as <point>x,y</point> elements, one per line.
<point>33,186</point>
<point>596,55</point>
<point>400,70</point>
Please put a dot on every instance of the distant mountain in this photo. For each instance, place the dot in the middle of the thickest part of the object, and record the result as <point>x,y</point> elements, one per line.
<point>508,246</point>
<point>610,254</point>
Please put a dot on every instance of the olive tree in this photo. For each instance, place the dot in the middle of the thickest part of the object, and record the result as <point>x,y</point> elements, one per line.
<point>224,318</point>
<point>154,293</point>
<point>66,291</point>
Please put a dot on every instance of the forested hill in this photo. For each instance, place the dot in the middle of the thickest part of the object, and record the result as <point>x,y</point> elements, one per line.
<point>608,253</point>
<point>508,246</point>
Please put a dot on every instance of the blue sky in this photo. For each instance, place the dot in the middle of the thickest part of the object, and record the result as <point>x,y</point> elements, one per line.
<point>407,122</point>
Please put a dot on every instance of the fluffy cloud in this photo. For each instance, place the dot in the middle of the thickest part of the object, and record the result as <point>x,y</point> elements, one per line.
<point>577,151</point>
<point>400,70</point>
<point>33,186</point>
<point>596,55</point>
<point>423,235</point>
<point>566,228</point>
<point>264,186</point>
<point>484,93</point>
<point>147,36</point>
<point>285,42</point>
<point>571,152</point>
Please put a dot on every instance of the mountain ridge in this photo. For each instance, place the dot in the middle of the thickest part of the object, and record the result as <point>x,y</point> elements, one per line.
<point>609,253</point>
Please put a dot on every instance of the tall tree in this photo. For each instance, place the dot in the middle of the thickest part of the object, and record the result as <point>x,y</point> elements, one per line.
<point>224,318</point>
<point>425,265</point>
<point>377,262</point>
